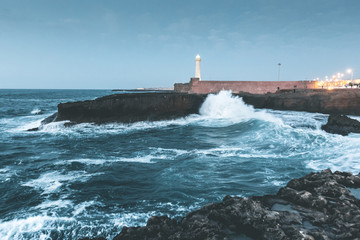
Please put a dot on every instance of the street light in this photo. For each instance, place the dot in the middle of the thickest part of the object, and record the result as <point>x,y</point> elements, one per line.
<point>350,71</point>
<point>338,75</point>
<point>279,64</point>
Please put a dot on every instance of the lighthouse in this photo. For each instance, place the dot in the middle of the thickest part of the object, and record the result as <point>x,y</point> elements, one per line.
<point>197,67</point>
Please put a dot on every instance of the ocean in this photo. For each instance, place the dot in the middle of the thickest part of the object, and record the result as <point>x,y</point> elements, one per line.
<point>90,180</point>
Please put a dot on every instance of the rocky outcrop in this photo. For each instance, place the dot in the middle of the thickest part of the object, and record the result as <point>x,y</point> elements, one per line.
<point>131,107</point>
<point>341,124</point>
<point>317,206</point>
<point>336,101</point>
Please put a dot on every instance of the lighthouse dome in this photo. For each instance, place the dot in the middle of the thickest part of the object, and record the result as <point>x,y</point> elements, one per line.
<point>197,57</point>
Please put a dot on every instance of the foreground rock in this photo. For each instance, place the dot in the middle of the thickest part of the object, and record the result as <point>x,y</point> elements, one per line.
<point>341,124</point>
<point>317,206</point>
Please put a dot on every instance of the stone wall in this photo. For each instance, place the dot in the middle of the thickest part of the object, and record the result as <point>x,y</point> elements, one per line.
<point>182,87</point>
<point>255,87</point>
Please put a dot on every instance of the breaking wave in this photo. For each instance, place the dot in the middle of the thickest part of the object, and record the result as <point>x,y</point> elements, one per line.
<point>226,106</point>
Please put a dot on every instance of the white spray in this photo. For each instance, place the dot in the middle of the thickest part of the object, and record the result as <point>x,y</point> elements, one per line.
<point>226,106</point>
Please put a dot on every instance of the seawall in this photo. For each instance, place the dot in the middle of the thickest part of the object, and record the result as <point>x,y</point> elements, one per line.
<point>135,107</point>
<point>255,87</point>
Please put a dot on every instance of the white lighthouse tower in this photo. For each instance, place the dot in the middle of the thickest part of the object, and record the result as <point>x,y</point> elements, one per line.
<point>197,67</point>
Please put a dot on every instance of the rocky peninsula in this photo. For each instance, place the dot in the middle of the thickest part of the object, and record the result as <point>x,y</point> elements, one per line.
<point>132,107</point>
<point>322,205</point>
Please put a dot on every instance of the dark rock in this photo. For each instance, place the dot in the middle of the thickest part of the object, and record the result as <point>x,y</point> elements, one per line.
<point>47,120</point>
<point>156,228</point>
<point>97,238</point>
<point>131,107</point>
<point>341,124</point>
<point>33,129</point>
<point>317,206</point>
<point>336,101</point>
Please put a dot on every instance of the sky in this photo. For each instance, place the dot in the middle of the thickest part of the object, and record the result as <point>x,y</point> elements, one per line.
<point>108,44</point>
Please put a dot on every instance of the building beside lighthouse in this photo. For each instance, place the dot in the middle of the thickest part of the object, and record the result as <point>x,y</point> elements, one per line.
<point>199,86</point>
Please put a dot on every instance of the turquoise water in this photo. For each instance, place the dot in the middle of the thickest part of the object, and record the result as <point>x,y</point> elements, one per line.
<point>91,180</point>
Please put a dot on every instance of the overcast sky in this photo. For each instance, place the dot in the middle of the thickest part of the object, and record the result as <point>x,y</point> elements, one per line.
<point>153,43</point>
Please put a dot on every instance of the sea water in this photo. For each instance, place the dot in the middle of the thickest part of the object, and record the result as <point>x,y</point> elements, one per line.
<point>91,180</point>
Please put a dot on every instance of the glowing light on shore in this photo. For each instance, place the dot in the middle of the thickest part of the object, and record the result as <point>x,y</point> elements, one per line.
<point>338,80</point>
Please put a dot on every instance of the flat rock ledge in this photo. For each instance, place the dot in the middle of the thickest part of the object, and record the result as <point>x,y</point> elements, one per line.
<point>318,206</point>
<point>341,124</point>
<point>131,107</point>
<point>156,106</point>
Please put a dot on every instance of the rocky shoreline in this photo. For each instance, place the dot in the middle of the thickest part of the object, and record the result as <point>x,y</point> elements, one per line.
<point>319,205</point>
<point>133,107</point>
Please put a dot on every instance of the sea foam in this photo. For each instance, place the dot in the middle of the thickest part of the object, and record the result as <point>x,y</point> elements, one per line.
<point>225,105</point>
<point>33,227</point>
<point>50,182</point>
<point>35,111</point>
<point>89,161</point>
<point>155,155</point>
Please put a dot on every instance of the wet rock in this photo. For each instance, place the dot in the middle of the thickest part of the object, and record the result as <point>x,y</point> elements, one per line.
<point>47,120</point>
<point>97,238</point>
<point>33,129</point>
<point>317,206</point>
<point>341,124</point>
